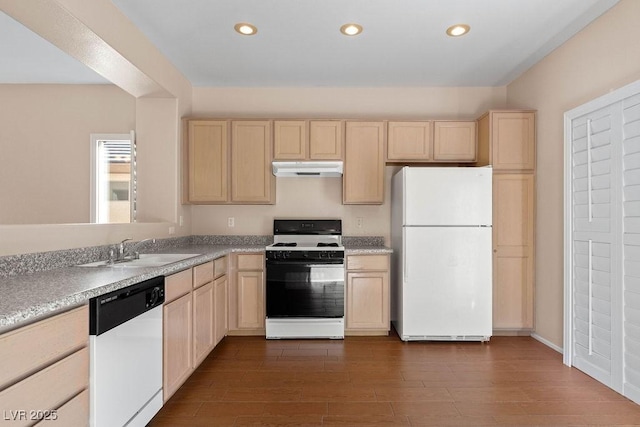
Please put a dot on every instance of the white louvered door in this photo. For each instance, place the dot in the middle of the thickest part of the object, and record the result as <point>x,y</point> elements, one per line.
<point>602,246</point>
<point>594,244</point>
<point>631,248</point>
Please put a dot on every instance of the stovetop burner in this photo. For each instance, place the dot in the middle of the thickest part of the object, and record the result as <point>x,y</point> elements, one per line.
<point>307,236</point>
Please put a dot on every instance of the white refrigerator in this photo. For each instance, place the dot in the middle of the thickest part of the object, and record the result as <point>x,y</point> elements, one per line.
<point>442,258</point>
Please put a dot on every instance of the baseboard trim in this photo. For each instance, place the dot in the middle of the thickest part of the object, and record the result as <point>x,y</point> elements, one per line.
<point>547,343</point>
<point>512,332</point>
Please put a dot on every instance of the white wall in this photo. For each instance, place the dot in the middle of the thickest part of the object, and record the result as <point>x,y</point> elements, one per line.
<point>45,142</point>
<point>348,102</point>
<point>600,58</point>
<point>142,66</point>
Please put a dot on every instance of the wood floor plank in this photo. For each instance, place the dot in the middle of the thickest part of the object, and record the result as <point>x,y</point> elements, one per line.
<point>377,381</point>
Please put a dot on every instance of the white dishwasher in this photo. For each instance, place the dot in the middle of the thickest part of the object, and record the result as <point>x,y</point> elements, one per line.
<point>125,345</point>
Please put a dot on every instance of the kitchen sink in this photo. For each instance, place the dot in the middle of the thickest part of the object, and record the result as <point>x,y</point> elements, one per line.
<point>145,260</point>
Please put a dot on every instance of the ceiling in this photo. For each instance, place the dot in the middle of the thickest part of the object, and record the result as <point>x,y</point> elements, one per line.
<point>299,44</point>
<point>25,57</point>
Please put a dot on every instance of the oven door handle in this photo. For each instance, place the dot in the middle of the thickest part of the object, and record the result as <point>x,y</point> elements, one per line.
<point>322,263</point>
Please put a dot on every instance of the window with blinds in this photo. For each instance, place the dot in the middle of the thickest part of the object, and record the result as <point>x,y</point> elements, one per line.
<point>113,179</point>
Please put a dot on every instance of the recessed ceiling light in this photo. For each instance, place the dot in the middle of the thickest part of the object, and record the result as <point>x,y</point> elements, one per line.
<point>458,30</point>
<point>245,29</point>
<point>351,29</point>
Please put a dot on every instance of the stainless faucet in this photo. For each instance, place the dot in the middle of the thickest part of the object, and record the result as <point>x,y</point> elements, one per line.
<point>120,253</point>
<point>132,251</point>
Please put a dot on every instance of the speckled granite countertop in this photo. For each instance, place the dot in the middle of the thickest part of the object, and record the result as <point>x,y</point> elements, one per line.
<point>367,250</point>
<point>26,298</point>
<point>30,297</point>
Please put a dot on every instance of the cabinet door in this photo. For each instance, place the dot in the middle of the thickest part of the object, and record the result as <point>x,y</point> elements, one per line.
<point>251,177</point>
<point>513,140</point>
<point>363,180</point>
<point>325,140</point>
<point>177,329</point>
<point>409,141</point>
<point>207,161</point>
<point>290,140</point>
<point>220,267</point>
<point>454,141</point>
<point>367,300</point>
<point>203,323</point>
<point>250,285</point>
<point>220,298</point>
<point>513,221</point>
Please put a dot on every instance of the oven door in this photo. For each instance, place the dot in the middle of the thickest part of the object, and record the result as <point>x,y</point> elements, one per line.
<point>305,288</point>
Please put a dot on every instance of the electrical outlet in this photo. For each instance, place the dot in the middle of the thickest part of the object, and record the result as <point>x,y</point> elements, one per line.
<point>172,230</point>
<point>181,221</point>
<point>231,222</point>
<point>359,222</point>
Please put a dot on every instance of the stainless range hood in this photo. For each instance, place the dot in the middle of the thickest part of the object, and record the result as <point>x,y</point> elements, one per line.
<point>308,169</point>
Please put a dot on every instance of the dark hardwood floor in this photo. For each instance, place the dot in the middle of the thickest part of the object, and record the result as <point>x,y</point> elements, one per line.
<point>379,381</point>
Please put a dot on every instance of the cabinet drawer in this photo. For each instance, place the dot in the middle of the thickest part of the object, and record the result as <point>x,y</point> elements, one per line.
<point>33,347</point>
<point>220,267</point>
<point>49,388</point>
<point>73,413</point>
<point>250,262</point>
<point>368,262</point>
<point>202,274</point>
<point>177,285</point>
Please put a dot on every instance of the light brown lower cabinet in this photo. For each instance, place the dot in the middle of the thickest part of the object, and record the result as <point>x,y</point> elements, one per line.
<point>513,252</point>
<point>194,320</point>
<point>250,299</point>
<point>247,297</point>
<point>367,295</point>
<point>203,312</point>
<point>203,322</point>
<point>178,348</point>
<point>73,413</point>
<point>220,290</point>
<point>44,373</point>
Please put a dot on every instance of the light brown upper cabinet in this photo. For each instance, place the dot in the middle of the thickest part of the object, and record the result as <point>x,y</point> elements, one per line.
<point>290,140</point>
<point>506,140</point>
<point>251,179</point>
<point>454,141</point>
<point>228,167</point>
<point>207,173</point>
<point>363,179</point>
<point>307,140</point>
<point>325,139</point>
<point>410,141</point>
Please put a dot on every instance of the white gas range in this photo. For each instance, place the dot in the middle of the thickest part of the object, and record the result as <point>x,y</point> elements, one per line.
<point>305,279</point>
